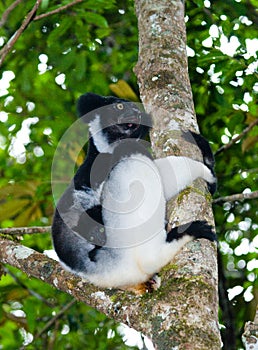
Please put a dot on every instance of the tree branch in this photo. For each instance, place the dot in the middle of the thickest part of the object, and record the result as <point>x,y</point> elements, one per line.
<point>30,291</point>
<point>50,271</point>
<point>236,197</point>
<point>9,45</point>
<point>8,11</point>
<point>237,138</point>
<point>250,335</point>
<point>25,230</point>
<point>142,313</point>
<point>62,8</point>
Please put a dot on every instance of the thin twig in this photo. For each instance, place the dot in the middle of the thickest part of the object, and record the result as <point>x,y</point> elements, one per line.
<point>9,45</point>
<point>237,138</point>
<point>56,317</point>
<point>25,230</point>
<point>236,197</point>
<point>62,8</point>
<point>20,320</point>
<point>8,11</point>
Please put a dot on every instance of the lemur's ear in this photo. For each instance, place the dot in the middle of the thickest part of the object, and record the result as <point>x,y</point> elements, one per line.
<point>88,103</point>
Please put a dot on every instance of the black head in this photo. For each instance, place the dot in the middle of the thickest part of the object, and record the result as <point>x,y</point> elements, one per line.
<point>112,119</point>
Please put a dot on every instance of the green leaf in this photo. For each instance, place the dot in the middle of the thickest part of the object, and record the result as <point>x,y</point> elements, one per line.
<point>123,90</point>
<point>96,19</point>
<point>60,29</point>
<point>67,60</point>
<point>80,67</point>
<point>27,215</point>
<point>18,190</point>
<point>44,4</point>
<point>249,143</point>
<point>235,121</point>
<point>13,207</point>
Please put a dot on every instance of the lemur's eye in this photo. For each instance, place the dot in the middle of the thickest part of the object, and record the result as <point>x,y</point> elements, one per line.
<point>120,106</point>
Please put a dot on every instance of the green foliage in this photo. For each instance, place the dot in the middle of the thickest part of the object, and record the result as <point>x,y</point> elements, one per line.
<point>225,94</point>
<point>32,307</point>
<point>90,47</point>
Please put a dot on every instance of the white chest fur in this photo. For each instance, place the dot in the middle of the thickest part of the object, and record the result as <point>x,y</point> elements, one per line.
<point>133,203</point>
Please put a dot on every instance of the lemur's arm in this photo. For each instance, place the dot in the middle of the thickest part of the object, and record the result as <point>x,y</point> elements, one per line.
<point>179,172</point>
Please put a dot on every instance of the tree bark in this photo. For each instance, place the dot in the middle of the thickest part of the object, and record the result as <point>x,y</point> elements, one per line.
<point>189,309</point>
<point>250,335</point>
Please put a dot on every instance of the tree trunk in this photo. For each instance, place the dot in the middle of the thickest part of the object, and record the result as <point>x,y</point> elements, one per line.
<point>188,312</point>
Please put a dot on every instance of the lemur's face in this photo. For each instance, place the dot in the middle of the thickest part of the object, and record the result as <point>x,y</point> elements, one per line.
<point>112,119</point>
<point>122,120</point>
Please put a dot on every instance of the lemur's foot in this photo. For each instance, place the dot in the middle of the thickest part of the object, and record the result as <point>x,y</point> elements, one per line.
<point>147,287</point>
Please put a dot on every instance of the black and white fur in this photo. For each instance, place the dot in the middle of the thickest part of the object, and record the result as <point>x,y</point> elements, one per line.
<point>109,225</point>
